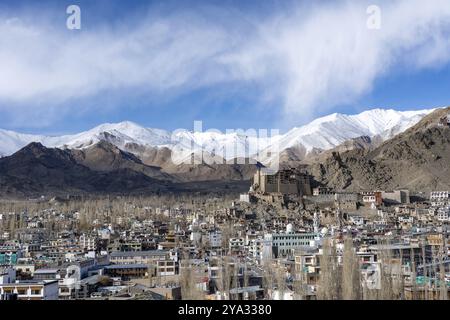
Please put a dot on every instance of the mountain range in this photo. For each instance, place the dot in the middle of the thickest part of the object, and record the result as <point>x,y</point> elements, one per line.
<point>417,159</point>
<point>374,149</point>
<point>321,134</point>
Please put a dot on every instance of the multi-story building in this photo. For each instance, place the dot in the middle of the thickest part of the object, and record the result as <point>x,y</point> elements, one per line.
<point>440,198</point>
<point>87,243</point>
<point>285,182</point>
<point>215,239</point>
<point>255,248</point>
<point>370,197</point>
<point>128,271</point>
<point>284,244</point>
<point>307,270</point>
<point>9,254</point>
<point>32,289</point>
<point>139,257</point>
<point>443,214</point>
<point>236,245</point>
<point>322,191</point>
<point>166,268</point>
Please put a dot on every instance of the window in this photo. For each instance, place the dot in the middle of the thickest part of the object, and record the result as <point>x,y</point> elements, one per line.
<point>36,291</point>
<point>21,291</point>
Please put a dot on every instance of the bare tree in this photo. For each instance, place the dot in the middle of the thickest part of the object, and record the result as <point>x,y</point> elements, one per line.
<point>351,276</point>
<point>329,287</point>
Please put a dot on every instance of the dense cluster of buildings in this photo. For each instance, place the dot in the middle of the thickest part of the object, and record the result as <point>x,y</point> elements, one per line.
<point>266,245</point>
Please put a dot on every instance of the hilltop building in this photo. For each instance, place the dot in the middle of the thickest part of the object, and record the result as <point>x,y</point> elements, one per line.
<point>283,182</point>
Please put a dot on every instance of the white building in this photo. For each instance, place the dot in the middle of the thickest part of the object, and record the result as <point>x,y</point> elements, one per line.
<point>245,197</point>
<point>369,198</point>
<point>87,243</point>
<point>32,290</point>
<point>440,198</point>
<point>286,243</point>
<point>443,214</point>
<point>255,248</point>
<point>357,220</point>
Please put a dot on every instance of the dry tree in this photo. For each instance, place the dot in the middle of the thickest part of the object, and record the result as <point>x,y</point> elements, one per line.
<point>280,278</point>
<point>188,280</point>
<point>443,290</point>
<point>351,275</point>
<point>329,287</point>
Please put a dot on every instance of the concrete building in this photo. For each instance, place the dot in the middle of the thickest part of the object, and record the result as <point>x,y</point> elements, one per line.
<point>245,197</point>
<point>9,254</point>
<point>215,239</point>
<point>255,248</point>
<point>321,191</point>
<point>137,257</point>
<point>31,290</point>
<point>47,274</point>
<point>236,245</point>
<point>443,214</point>
<point>440,198</point>
<point>307,267</point>
<point>396,197</point>
<point>285,244</point>
<point>166,268</point>
<point>87,243</point>
<point>127,271</point>
<point>372,197</point>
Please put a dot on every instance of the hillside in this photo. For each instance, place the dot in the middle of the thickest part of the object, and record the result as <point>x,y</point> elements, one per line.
<point>417,159</point>
<point>37,170</point>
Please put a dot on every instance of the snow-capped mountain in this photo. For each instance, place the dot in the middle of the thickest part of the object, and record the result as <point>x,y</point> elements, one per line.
<point>119,134</point>
<point>330,131</point>
<point>321,134</point>
<point>11,141</point>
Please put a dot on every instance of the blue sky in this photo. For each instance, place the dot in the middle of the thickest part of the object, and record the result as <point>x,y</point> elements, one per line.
<point>232,64</point>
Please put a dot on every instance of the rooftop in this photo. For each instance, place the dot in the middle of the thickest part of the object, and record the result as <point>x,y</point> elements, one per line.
<point>139,253</point>
<point>126,266</point>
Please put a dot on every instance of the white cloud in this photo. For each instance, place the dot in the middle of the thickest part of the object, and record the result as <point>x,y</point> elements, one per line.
<point>310,60</point>
<point>329,57</point>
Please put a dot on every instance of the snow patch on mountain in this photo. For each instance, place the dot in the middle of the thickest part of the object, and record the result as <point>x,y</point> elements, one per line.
<point>321,134</point>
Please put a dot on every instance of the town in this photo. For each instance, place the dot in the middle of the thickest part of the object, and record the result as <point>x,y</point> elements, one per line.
<point>285,239</point>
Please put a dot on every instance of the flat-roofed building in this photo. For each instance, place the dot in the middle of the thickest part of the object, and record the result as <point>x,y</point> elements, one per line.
<point>285,244</point>
<point>440,198</point>
<point>166,268</point>
<point>285,182</point>
<point>137,257</point>
<point>128,271</point>
<point>443,214</point>
<point>9,254</point>
<point>32,290</point>
<point>46,274</point>
<point>396,197</point>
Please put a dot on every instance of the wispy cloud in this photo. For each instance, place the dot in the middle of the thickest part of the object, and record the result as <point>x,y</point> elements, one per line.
<point>306,60</point>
